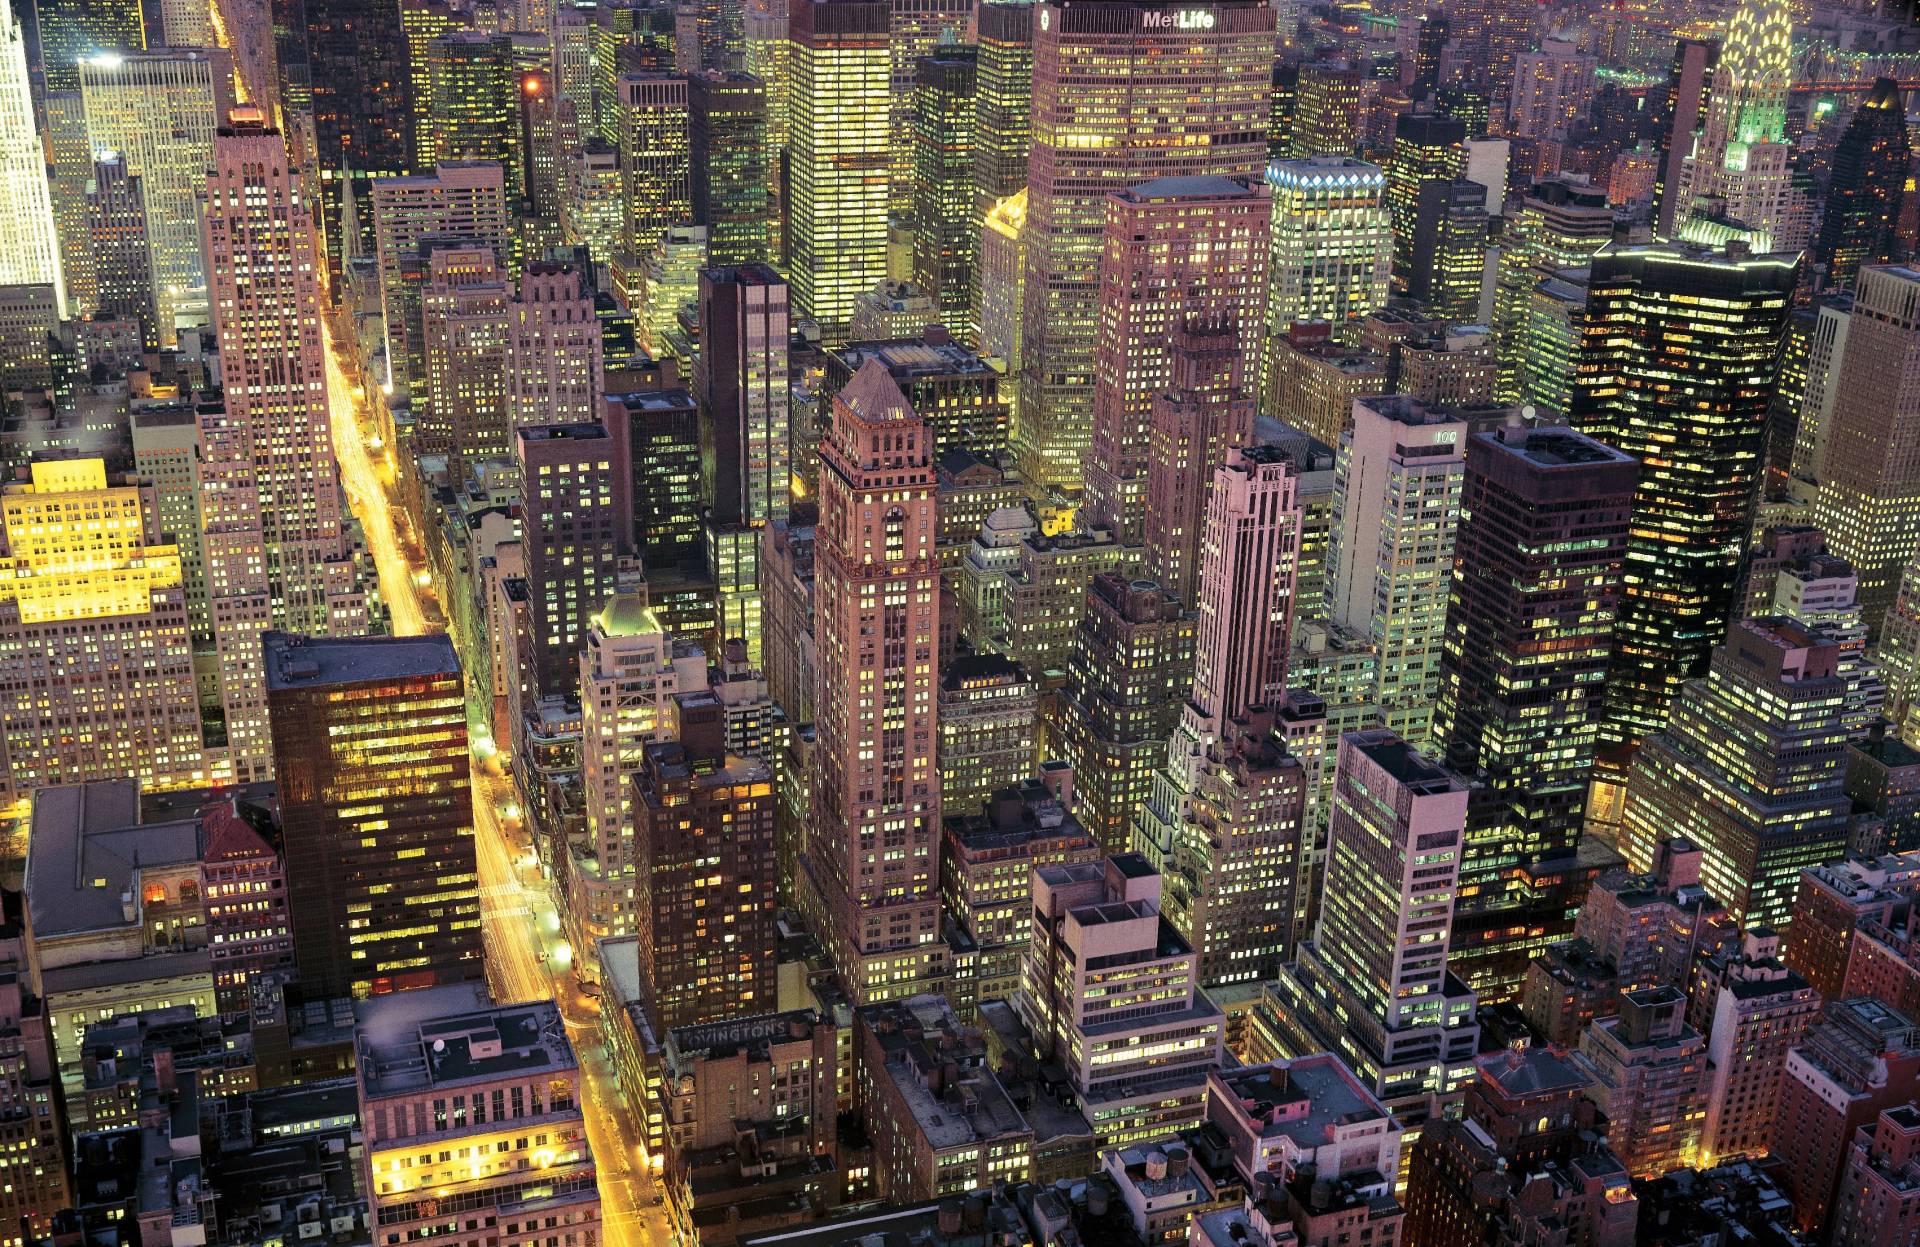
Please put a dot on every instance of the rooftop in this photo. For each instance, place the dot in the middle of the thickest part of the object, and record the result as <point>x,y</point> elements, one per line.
<point>1303,1099</point>
<point>1191,187</point>
<point>305,662</point>
<point>86,851</point>
<point>933,355</point>
<point>450,1036</point>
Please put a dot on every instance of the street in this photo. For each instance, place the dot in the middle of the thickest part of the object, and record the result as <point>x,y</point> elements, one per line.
<point>527,958</point>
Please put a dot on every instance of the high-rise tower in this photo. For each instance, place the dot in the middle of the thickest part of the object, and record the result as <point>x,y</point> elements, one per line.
<point>1687,397</point>
<point>1174,249</point>
<point>1871,164</point>
<point>871,869</point>
<point>838,156</point>
<point>1124,91</point>
<point>266,297</point>
<point>1741,165</point>
<point>29,252</point>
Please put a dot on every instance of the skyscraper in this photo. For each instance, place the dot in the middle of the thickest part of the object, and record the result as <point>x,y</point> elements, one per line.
<point>72,31</point>
<point>650,115</point>
<point>1174,249</point>
<point>117,235</point>
<point>1122,94</point>
<point>554,349</point>
<point>1871,164</point>
<point>1869,499</point>
<point>727,141</point>
<point>1751,769</point>
<point>463,318</point>
<point>1373,983</point>
<point>160,110</point>
<point>1002,102</point>
<point>370,755</point>
<point>266,297</point>
<point>1687,397</point>
<point>93,622</point>
<point>944,212</point>
<point>1562,221</point>
<point>1332,243</point>
<point>704,872</point>
<point>574,522</point>
<point>1741,163</point>
<point>1529,625</point>
<point>1688,85</point>
<point>357,61</point>
<point>1425,146</point>
<point>741,381</point>
<point>1205,409</point>
<point>1397,485</point>
<point>838,119</point>
<point>29,252</point>
<point>471,103</point>
<point>1128,673</point>
<point>1449,258</point>
<point>876,785</point>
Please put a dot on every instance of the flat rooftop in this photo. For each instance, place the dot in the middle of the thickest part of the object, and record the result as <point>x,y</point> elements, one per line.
<point>306,662</point>
<point>86,849</point>
<point>1302,1099</point>
<point>450,1036</point>
<point>1211,186</point>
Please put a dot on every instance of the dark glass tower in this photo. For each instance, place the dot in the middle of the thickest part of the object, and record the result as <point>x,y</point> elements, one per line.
<point>727,134</point>
<point>946,233</point>
<point>357,62</point>
<point>1687,395</point>
<point>1870,167</point>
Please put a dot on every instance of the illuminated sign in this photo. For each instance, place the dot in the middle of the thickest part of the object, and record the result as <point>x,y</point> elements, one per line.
<point>1181,19</point>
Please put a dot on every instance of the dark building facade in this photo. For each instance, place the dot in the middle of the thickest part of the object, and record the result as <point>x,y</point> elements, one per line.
<point>574,524</point>
<point>370,754</point>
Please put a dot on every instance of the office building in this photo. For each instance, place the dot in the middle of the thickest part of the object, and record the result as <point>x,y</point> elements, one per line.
<point>554,349</point>
<point>592,214</point>
<point>1751,768</point>
<point>1872,163</point>
<point>658,432</point>
<point>989,852</point>
<point>1328,101</point>
<point>376,815</point>
<point>1529,624</point>
<point>630,672</point>
<point>266,297</point>
<point>1002,103</point>
<point>1553,90</point>
<point>703,871</point>
<point>1313,381</point>
<point>1870,485</point>
<point>1106,80</point>
<point>462,411</point>
<point>1741,165</point>
<point>940,186</point>
<point>1129,669</point>
<point>356,58</point>
<point>464,202</point>
<point>70,31</point>
<point>93,620</point>
<point>909,1055</point>
<point>461,1095</point>
<point>1426,147</point>
<point>839,110</point>
<point>1397,491</point>
<point>117,237</point>
<point>1878,1199</point>
<point>1833,903</point>
<point>1174,250</point>
<point>1373,984</point>
<point>1649,1074</point>
<point>988,711</point>
<point>1332,243</point>
<point>1562,221</point>
<point>1695,418</point>
<point>1109,990</point>
<point>1753,1010</point>
<point>1447,266</point>
<point>471,105</point>
<point>29,250</point>
<point>963,399</point>
<point>1859,1059</point>
<point>574,523</point>
<point>1203,410</point>
<point>727,144</point>
<point>651,126</point>
<point>160,110</point>
<point>876,775</point>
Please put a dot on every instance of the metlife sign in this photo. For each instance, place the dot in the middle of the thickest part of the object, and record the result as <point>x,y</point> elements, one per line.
<point>1178,19</point>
